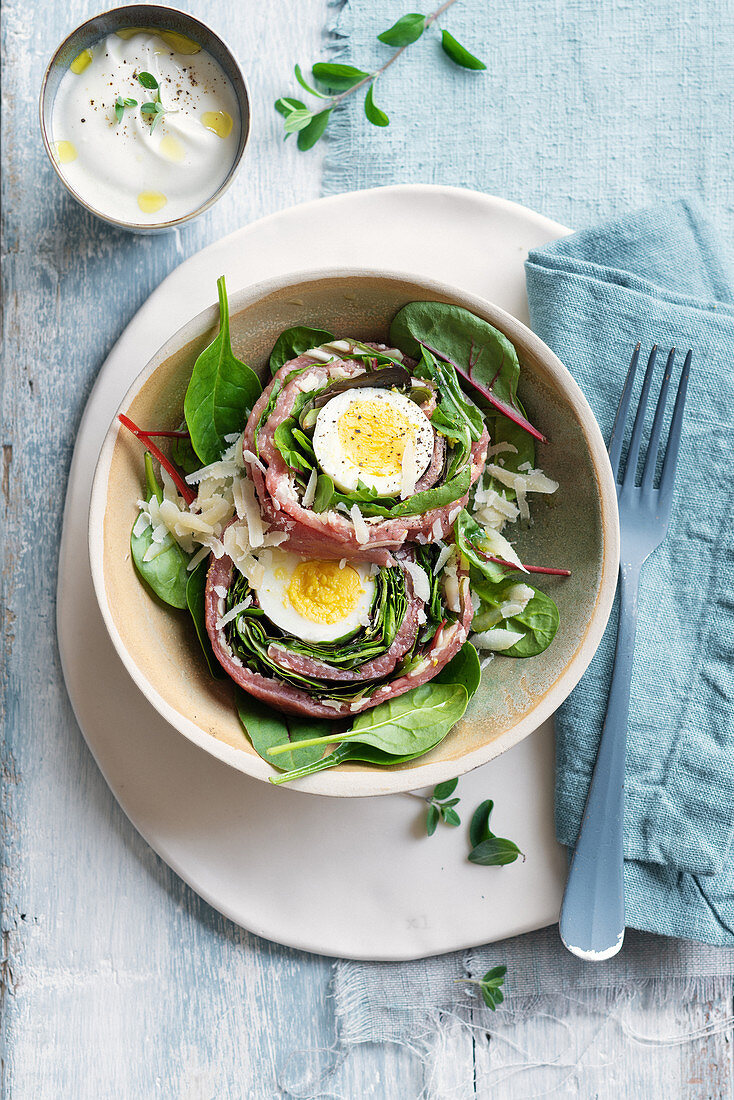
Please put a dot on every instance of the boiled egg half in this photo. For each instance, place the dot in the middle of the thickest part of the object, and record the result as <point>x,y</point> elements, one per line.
<point>315,600</point>
<point>377,436</point>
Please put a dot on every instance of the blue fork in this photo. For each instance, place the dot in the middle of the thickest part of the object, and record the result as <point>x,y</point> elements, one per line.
<point>592,915</point>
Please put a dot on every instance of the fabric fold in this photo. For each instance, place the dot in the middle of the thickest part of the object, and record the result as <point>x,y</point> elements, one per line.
<point>657,277</point>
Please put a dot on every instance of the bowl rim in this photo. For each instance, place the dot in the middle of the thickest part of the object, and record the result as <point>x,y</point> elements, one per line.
<point>377,781</point>
<point>245,120</point>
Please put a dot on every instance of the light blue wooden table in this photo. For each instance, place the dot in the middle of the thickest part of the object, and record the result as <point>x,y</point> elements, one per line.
<point>117,981</point>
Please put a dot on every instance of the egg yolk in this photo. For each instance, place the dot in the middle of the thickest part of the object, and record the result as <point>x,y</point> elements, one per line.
<point>322,592</point>
<point>374,436</point>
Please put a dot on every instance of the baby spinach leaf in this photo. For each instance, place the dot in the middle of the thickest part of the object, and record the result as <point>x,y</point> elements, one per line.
<point>294,341</point>
<point>221,391</point>
<point>166,575</point>
<point>266,727</point>
<point>337,78</point>
<point>184,455</point>
<point>324,493</point>
<point>539,620</point>
<point>447,493</point>
<point>458,53</point>
<point>496,851</point>
<point>412,723</point>
<point>463,669</point>
<point>467,533</point>
<point>290,446</point>
<point>502,430</point>
<point>479,828</point>
<point>408,29</point>
<point>195,601</point>
<point>376,116</point>
<point>349,751</point>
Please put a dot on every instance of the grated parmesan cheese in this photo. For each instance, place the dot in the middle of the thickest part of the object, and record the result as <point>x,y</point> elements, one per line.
<point>360,527</point>
<point>496,640</point>
<point>310,493</point>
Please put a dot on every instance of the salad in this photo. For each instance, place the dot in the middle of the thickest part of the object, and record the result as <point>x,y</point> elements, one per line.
<point>338,536</point>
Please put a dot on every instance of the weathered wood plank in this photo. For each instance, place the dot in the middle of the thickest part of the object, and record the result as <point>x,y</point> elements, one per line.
<point>116,980</point>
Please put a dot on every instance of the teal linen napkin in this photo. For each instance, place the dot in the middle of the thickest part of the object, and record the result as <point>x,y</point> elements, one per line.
<point>657,277</point>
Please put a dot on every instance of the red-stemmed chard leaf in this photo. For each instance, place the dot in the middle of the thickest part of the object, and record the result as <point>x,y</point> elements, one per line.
<point>506,410</point>
<point>548,570</point>
<point>145,437</point>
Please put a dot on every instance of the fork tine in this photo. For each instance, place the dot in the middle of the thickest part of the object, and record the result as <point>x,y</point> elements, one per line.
<point>651,459</point>
<point>620,420</point>
<point>667,477</point>
<point>630,470</point>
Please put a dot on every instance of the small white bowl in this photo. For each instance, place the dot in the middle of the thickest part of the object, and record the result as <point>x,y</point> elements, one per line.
<point>142,15</point>
<point>576,528</point>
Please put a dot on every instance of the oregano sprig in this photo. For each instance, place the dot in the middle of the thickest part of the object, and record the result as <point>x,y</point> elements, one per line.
<point>121,104</point>
<point>334,82</point>
<point>154,110</point>
<point>490,986</point>
<point>441,806</point>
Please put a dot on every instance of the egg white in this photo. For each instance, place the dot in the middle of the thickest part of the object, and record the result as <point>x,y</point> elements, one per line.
<point>274,599</point>
<point>342,469</point>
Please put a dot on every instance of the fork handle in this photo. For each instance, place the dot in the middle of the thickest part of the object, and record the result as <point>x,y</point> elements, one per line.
<point>592,915</point>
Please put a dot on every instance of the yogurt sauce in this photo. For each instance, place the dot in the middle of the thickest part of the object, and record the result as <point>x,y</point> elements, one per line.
<point>136,169</point>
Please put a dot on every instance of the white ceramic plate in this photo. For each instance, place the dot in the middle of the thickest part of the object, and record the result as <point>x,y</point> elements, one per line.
<point>338,876</point>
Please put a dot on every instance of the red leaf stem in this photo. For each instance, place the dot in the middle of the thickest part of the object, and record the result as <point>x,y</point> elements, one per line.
<point>529,568</point>
<point>185,490</point>
<point>506,410</point>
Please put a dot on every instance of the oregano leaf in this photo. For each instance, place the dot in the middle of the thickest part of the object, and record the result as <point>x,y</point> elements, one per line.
<point>372,111</point>
<point>459,54</point>
<point>408,29</point>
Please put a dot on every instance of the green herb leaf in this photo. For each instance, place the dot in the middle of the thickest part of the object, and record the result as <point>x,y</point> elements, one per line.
<point>412,723</point>
<point>458,53</point>
<point>337,78</point>
<point>148,81</point>
<point>149,109</point>
<point>408,29</point>
<point>479,828</point>
<point>495,852</point>
<point>464,669</point>
<point>195,601</point>
<point>184,455</point>
<point>315,130</point>
<point>450,816</point>
<point>480,353</point>
<point>324,493</point>
<point>445,789</point>
<point>373,112</point>
<point>266,727</point>
<point>304,83</point>
<point>285,105</point>
<point>166,575</point>
<point>294,342</point>
<point>490,984</point>
<point>297,120</point>
<point>131,102</point>
<point>119,109</point>
<point>221,392</point>
<point>432,818</point>
<point>156,119</point>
